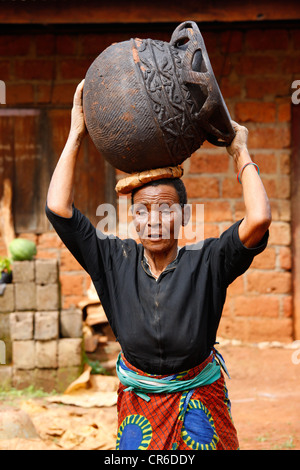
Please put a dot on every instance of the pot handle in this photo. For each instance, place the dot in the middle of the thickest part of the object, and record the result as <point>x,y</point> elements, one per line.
<point>187,38</point>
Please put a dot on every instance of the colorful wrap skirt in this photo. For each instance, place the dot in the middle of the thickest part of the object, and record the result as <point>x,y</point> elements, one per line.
<point>195,418</point>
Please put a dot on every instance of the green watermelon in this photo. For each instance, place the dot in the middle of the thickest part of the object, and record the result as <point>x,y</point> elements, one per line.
<point>22,249</point>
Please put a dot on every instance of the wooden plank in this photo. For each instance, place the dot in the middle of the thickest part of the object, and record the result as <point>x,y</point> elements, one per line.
<point>134,11</point>
<point>18,156</point>
<point>26,184</point>
<point>295,202</point>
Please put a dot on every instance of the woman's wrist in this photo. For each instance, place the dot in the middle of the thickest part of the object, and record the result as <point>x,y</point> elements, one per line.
<point>242,157</point>
<point>75,137</point>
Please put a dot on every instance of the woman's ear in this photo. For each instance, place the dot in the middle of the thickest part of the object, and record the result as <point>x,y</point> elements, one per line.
<point>186,214</point>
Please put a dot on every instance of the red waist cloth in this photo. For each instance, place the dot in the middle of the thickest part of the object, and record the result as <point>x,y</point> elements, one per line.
<point>190,420</point>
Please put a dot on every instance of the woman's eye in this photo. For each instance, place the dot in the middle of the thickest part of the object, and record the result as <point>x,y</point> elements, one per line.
<point>141,213</point>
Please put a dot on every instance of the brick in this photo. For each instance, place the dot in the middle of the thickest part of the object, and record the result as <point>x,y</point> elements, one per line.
<point>202,162</point>
<point>285,163</point>
<point>270,138</point>
<point>290,64</point>
<point>281,210</point>
<point>66,44</point>
<point>231,188</point>
<point>22,378</point>
<point>34,69</point>
<point>71,323</point>
<point>257,65</point>
<point>257,329</point>
<point>14,45</point>
<point>74,68</point>
<point>93,44</point>
<point>284,112</point>
<point>266,161</point>
<point>22,93</point>
<point>255,112</point>
<point>24,354</point>
<point>7,303</point>
<point>69,352</point>
<point>271,282</point>
<point>268,39</point>
<point>211,230</point>
<point>44,44</point>
<point>265,260</point>
<point>6,377</point>
<point>280,233</point>
<point>231,87</point>
<point>43,93</point>
<point>23,271</point>
<point>25,296</point>
<point>202,187</point>
<point>287,306</point>
<point>65,376</point>
<point>217,211</point>
<point>72,301</point>
<point>222,66</point>
<point>63,93</point>
<point>237,287</point>
<point>296,38</point>
<point>46,271</point>
<point>4,326</point>
<point>259,88</point>
<point>72,284</point>
<point>68,262</point>
<point>5,70</point>
<point>46,380</point>
<point>46,354</point>
<point>21,325</point>
<point>47,297</point>
<point>211,41</point>
<point>285,258</point>
<point>49,240</point>
<point>258,306</point>
<point>231,41</point>
<point>46,325</point>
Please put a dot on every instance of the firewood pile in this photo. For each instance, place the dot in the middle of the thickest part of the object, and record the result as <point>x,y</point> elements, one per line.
<point>99,340</point>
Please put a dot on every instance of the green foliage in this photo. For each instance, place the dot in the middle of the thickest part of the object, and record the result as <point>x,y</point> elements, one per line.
<point>5,265</point>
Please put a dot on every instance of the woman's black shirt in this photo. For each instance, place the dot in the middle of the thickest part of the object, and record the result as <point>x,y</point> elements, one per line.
<point>166,325</point>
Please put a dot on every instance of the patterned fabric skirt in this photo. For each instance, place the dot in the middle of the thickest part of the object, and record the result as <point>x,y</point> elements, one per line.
<point>199,419</point>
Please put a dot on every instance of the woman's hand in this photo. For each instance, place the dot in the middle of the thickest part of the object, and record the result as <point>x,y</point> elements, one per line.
<point>239,144</point>
<point>78,128</point>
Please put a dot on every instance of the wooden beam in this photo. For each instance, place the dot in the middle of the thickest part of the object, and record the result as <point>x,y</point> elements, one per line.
<point>295,202</point>
<point>135,11</point>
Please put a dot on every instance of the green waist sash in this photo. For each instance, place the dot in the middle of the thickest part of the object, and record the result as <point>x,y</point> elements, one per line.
<point>143,384</point>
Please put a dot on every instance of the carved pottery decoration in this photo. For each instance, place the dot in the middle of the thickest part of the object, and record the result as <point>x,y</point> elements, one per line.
<point>151,104</point>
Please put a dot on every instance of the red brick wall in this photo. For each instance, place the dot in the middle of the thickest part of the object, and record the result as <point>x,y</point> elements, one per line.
<point>255,70</point>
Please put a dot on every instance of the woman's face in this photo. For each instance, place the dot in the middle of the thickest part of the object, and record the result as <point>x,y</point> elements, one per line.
<point>158,217</point>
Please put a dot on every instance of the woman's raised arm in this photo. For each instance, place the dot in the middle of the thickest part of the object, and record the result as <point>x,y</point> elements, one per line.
<point>258,213</point>
<point>61,188</point>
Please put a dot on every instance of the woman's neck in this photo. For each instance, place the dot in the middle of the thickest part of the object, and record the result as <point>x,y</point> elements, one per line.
<point>159,261</point>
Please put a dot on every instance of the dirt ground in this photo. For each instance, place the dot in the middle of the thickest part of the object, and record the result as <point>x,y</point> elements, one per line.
<point>264,389</point>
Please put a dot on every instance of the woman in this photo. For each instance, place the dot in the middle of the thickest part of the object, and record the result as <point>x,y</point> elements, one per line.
<point>164,304</point>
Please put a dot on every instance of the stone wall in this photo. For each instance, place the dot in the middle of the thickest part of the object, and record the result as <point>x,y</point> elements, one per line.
<point>43,342</point>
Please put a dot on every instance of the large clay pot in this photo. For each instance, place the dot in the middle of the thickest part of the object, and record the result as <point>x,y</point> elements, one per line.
<point>150,104</point>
